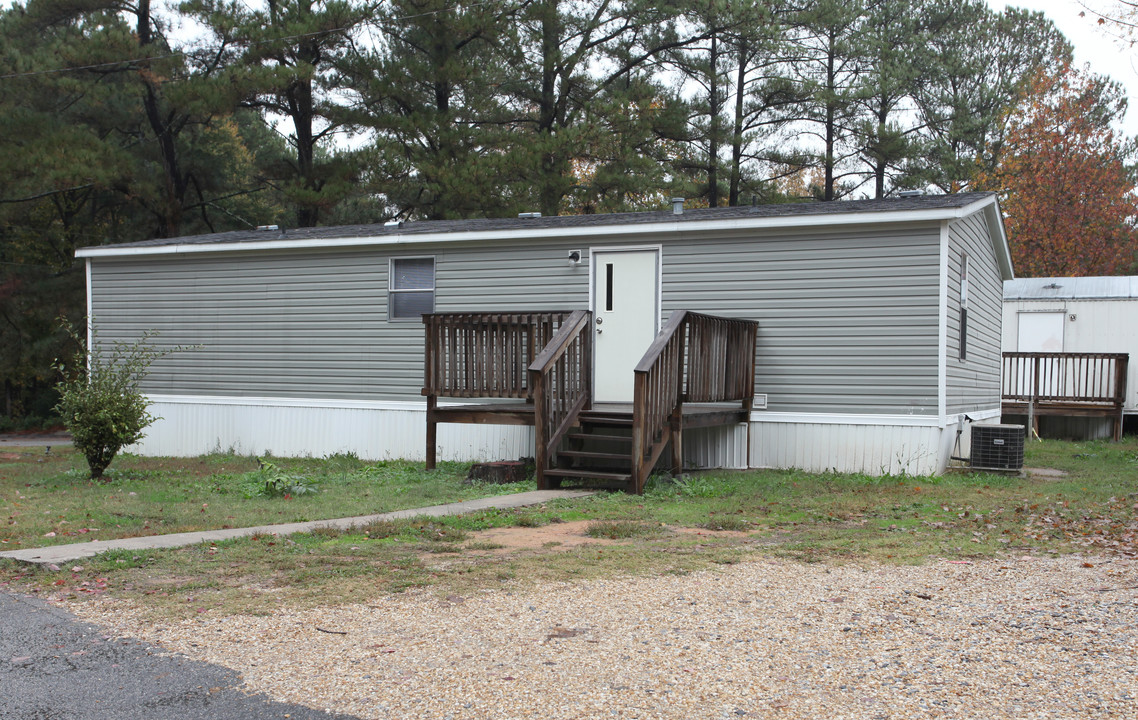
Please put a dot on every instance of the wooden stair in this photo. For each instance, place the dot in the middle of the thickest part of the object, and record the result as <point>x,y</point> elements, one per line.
<point>596,455</point>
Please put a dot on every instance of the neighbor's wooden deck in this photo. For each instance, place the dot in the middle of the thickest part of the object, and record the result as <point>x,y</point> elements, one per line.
<point>1065,384</point>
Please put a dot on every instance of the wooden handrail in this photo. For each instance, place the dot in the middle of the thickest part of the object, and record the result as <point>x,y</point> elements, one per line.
<point>670,330</point>
<point>561,378</point>
<point>695,358</point>
<point>1065,377</point>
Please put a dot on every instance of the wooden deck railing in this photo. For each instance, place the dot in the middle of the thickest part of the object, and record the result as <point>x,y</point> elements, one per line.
<point>481,355</point>
<point>1065,377</point>
<point>474,355</point>
<point>561,378</point>
<point>1071,384</point>
<point>695,358</point>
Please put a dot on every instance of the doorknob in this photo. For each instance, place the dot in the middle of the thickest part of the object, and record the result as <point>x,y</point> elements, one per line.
<point>600,320</point>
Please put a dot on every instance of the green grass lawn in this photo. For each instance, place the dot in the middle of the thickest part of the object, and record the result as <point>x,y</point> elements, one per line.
<point>46,498</point>
<point>675,527</point>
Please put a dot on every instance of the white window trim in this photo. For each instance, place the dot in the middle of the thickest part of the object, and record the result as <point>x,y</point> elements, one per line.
<point>391,290</point>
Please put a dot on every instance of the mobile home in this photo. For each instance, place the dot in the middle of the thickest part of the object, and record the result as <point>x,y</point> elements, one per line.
<point>876,327</point>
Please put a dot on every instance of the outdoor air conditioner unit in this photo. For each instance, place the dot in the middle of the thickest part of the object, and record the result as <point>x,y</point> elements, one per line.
<point>997,447</point>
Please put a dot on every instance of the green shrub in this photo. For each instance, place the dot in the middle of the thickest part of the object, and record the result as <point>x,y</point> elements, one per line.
<point>99,397</point>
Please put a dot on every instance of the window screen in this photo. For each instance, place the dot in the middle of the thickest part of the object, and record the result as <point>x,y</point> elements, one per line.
<point>412,288</point>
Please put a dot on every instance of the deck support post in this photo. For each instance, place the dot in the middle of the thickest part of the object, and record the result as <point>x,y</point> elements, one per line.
<point>748,406</point>
<point>677,419</point>
<point>639,409</point>
<point>432,431</point>
<point>1121,373</point>
<point>540,441</point>
<point>678,441</point>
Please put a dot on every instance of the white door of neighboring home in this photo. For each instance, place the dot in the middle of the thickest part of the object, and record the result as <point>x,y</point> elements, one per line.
<point>626,316</point>
<point>1041,332</point>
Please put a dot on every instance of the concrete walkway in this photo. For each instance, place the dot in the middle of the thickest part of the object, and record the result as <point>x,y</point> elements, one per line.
<point>77,551</point>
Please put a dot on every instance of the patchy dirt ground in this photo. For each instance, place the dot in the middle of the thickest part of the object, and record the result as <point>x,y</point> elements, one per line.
<point>558,536</point>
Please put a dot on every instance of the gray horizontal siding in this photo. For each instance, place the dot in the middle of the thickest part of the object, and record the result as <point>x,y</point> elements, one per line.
<point>848,316</point>
<point>973,384</point>
<point>308,324</point>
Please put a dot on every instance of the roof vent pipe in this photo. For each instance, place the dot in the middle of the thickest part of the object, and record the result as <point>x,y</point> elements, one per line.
<point>677,206</point>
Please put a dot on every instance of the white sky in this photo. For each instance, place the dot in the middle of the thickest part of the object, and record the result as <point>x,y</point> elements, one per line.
<point>1105,54</point>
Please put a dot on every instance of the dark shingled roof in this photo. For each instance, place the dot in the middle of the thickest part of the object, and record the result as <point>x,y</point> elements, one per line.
<point>918,203</point>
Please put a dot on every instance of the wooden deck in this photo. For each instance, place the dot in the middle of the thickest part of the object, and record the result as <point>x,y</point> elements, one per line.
<point>1065,384</point>
<point>698,372</point>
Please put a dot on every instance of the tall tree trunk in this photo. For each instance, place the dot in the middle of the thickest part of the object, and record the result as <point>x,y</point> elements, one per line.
<point>713,129</point>
<point>549,181</point>
<point>831,122</point>
<point>300,107</point>
<point>302,110</point>
<point>170,220</point>
<point>737,129</point>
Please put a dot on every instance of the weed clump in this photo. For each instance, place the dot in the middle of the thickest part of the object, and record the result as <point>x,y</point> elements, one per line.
<point>271,481</point>
<point>727,523</point>
<point>617,529</point>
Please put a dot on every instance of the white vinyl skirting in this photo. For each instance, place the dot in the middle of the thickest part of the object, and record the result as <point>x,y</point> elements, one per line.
<point>877,445</point>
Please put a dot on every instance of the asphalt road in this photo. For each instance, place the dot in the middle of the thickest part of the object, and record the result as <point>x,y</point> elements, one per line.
<point>53,666</point>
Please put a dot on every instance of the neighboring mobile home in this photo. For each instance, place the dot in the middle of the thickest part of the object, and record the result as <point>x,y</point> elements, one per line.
<point>878,325</point>
<point>1073,316</point>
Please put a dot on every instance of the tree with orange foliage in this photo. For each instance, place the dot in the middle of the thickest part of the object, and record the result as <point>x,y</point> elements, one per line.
<point>1066,182</point>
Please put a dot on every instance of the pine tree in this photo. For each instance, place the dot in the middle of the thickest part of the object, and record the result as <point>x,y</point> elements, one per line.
<point>979,63</point>
<point>430,93</point>
<point>891,43</point>
<point>107,134</point>
<point>284,60</point>
<point>570,61</point>
<point>829,64</point>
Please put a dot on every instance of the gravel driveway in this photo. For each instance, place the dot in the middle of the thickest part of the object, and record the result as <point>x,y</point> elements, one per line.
<point>1015,638</point>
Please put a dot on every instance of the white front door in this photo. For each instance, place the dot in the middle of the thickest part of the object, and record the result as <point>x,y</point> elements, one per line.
<point>626,316</point>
